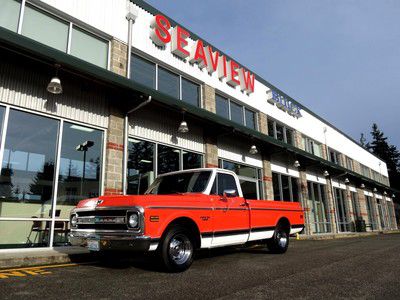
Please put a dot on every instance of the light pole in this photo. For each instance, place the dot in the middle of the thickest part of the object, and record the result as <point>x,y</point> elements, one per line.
<point>84,147</point>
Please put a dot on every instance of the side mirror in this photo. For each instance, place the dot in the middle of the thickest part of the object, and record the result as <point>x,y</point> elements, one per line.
<point>229,193</point>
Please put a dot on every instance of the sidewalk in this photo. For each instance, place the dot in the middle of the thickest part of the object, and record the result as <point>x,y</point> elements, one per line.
<point>331,236</point>
<point>45,256</point>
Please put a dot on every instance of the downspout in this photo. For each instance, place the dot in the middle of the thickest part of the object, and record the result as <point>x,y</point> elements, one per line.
<point>131,17</point>
<point>126,134</point>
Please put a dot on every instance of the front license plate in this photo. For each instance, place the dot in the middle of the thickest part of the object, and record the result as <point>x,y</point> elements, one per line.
<point>93,245</point>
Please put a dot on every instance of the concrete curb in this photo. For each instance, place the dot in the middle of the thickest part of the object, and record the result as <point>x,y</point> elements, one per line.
<point>35,257</point>
<point>329,236</point>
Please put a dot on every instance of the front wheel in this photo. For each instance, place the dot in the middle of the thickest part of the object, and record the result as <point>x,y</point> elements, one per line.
<point>279,242</point>
<point>176,250</point>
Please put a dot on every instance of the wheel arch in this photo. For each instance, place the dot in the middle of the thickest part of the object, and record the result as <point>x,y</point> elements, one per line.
<point>187,223</point>
<point>285,223</point>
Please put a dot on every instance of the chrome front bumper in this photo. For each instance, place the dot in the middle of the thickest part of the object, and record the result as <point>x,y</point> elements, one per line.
<point>111,240</point>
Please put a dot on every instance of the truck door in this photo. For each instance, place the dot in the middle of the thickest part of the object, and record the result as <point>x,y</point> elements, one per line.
<point>231,214</point>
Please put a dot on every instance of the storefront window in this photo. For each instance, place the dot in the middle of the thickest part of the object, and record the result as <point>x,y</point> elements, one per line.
<point>190,92</point>
<point>168,159</point>
<point>88,47</point>
<point>45,28</point>
<point>140,166</point>
<point>279,133</point>
<point>285,187</point>
<point>222,106</point>
<point>143,71</point>
<point>168,83</point>
<point>319,216</point>
<point>27,174</point>
<point>191,160</point>
<point>80,166</point>
<point>9,14</point>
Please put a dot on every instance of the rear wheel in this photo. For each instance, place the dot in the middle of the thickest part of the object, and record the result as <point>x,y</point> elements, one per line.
<point>176,250</point>
<point>279,242</point>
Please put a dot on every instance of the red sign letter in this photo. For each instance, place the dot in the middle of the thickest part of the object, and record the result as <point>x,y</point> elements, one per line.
<point>246,81</point>
<point>233,74</point>
<point>160,35</point>
<point>179,36</point>
<point>222,69</point>
<point>199,55</point>
<point>213,59</point>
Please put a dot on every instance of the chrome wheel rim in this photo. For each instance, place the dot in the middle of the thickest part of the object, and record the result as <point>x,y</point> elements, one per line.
<point>282,239</point>
<point>180,249</point>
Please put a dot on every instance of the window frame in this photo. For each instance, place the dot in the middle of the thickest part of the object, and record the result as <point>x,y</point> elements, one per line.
<point>285,129</point>
<point>244,108</point>
<point>57,14</point>
<point>279,176</point>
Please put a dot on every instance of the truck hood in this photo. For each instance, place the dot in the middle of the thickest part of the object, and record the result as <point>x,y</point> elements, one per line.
<point>140,200</point>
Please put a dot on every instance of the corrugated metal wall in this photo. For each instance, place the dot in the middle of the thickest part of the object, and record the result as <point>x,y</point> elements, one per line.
<point>24,84</point>
<point>161,126</point>
<point>238,151</point>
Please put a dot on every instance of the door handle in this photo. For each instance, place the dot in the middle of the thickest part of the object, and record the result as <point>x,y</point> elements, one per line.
<point>243,204</point>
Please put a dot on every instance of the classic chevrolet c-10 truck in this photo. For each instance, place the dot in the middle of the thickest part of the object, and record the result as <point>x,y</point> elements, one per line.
<point>183,211</point>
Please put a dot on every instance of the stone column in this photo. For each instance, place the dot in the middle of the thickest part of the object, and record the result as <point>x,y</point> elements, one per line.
<point>350,209</point>
<point>211,151</point>
<point>263,123</point>
<point>362,202</point>
<point>119,57</point>
<point>324,154</point>
<point>208,98</point>
<point>305,201</point>
<point>114,154</point>
<point>376,213</point>
<point>298,140</point>
<point>392,215</point>
<point>332,205</point>
<point>267,177</point>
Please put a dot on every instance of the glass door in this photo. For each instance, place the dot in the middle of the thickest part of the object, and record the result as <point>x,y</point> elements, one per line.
<point>319,208</point>
<point>344,224</point>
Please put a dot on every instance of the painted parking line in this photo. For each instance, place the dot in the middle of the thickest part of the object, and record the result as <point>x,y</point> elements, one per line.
<point>31,271</point>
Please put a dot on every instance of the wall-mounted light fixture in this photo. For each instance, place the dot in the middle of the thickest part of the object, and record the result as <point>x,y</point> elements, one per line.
<point>253,150</point>
<point>346,181</point>
<point>296,164</point>
<point>54,86</point>
<point>375,190</point>
<point>362,186</point>
<point>326,173</point>
<point>183,127</point>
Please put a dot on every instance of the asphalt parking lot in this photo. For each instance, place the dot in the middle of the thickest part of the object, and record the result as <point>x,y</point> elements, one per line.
<point>366,267</point>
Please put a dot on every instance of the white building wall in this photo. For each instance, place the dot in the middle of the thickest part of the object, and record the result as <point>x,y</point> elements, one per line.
<point>97,14</point>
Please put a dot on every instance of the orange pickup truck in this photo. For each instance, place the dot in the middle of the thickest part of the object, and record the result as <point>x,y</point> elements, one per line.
<point>183,211</point>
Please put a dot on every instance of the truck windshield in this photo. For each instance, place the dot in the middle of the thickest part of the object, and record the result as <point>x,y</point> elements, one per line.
<point>187,182</point>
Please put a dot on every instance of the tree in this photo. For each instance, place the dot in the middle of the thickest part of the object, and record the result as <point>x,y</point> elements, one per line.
<point>363,140</point>
<point>388,153</point>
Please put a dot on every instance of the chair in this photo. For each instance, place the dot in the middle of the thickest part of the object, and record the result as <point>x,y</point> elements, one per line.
<point>37,228</point>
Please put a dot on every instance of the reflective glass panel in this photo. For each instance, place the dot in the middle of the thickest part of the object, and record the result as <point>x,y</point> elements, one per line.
<point>89,47</point>
<point>140,166</point>
<point>190,92</point>
<point>9,14</point>
<point>285,187</point>
<point>80,166</point>
<point>295,189</point>
<point>279,132</point>
<point>222,106</point>
<point>45,28</point>
<point>271,129</point>
<point>168,83</point>
<point>276,186</point>
<point>191,160</point>
<point>27,174</point>
<point>249,189</point>
<point>289,136</point>
<point>236,113</point>
<point>167,159</point>
<point>143,71</point>
<point>250,119</point>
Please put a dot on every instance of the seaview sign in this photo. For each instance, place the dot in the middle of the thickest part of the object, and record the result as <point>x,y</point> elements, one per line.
<point>285,104</point>
<point>204,56</point>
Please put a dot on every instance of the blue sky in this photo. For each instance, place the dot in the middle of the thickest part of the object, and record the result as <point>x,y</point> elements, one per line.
<point>340,58</point>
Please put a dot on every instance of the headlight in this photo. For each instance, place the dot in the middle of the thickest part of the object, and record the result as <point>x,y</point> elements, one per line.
<point>74,220</point>
<point>133,220</point>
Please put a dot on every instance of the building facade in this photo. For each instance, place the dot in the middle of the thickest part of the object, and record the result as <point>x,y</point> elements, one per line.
<point>129,77</point>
